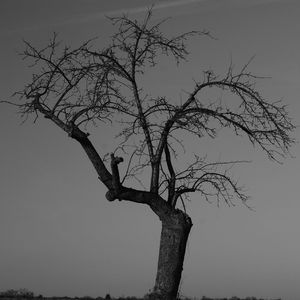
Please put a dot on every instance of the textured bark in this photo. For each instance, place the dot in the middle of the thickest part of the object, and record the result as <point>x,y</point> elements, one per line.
<point>174,235</point>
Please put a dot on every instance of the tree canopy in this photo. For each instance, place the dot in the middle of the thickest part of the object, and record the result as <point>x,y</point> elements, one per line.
<point>86,86</point>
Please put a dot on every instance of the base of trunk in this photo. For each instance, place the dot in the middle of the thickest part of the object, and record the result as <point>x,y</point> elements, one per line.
<point>174,235</point>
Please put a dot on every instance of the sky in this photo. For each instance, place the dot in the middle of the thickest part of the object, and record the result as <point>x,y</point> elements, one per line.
<point>61,237</point>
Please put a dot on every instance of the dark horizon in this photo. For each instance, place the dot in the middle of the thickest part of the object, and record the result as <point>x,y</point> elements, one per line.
<point>26,294</point>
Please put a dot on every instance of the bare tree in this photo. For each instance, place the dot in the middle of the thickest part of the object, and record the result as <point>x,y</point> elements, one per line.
<point>82,87</point>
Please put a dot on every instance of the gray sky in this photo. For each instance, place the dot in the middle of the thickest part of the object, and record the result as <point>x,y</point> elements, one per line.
<point>59,236</point>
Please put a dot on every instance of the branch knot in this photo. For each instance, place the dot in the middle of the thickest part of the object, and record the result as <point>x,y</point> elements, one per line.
<point>114,193</point>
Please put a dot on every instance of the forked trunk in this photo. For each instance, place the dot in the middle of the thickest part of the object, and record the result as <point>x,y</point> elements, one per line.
<point>175,231</point>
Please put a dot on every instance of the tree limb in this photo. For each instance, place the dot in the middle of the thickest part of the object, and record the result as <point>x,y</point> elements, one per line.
<point>172,180</point>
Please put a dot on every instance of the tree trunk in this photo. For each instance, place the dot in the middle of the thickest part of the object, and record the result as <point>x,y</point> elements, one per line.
<point>175,231</point>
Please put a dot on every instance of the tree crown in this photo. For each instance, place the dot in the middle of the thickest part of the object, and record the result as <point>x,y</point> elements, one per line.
<point>76,88</point>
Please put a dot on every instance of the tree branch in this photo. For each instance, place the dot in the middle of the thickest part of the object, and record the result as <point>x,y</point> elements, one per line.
<point>172,180</point>
<point>117,186</point>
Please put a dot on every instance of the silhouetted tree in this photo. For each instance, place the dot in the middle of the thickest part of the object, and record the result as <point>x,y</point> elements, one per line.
<point>87,86</point>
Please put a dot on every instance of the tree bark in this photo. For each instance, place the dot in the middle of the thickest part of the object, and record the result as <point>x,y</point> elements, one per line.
<point>174,235</point>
